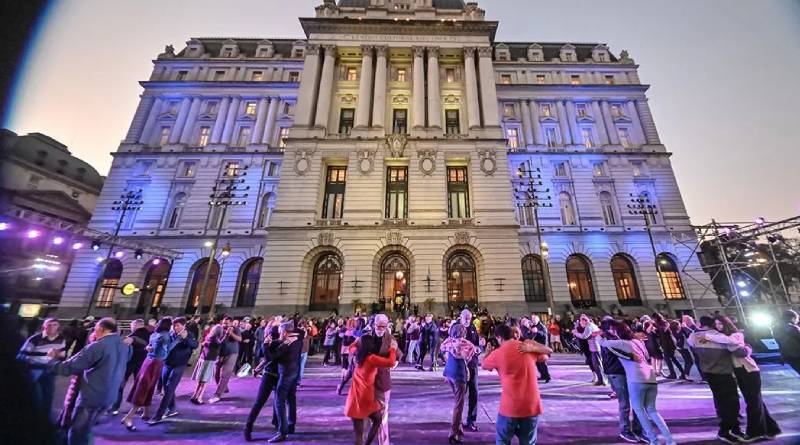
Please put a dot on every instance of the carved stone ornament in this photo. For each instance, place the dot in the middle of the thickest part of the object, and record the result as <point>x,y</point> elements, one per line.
<point>325,239</point>
<point>485,51</point>
<point>427,161</point>
<point>312,49</point>
<point>461,238</point>
<point>394,237</point>
<point>169,52</point>
<point>302,162</point>
<point>396,144</point>
<point>488,162</point>
<point>366,161</point>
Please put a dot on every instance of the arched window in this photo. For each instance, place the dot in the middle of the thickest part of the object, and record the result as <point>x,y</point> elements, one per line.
<point>607,205</point>
<point>155,282</point>
<point>196,288</point>
<point>395,276</point>
<point>625,281</point>
<point>670,277</point>
<point>176,210</point>
<point>533,278</point>
<point>265,211</point>
<point>567,209</point>
<point>579,280</point>
<point>462,282</point>
<point>111,275</point>
<point>326,283</point>
<point>248,282</point>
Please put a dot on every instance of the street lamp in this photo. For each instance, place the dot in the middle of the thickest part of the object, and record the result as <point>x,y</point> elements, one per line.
<point>530,197</point>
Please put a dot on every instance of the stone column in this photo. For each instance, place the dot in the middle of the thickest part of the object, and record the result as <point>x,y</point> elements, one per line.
<point>434,89</point>
<point>538,135</point>
<point>611,129</point>
<point>473,108</point>
<point>194,110</point>
<point>230,120</point>
<point>598,120</point>
<point>307,94</point>
<point>180,121</point>
<point>488,87</point>
<point>364,105</point>
<point>419,88</point>
<point>147,132</point>
<point>573,123</point>
<point>261,117</point>
<point>272,117</point>
<point>638,131</point>
<point>140,116</point>
<point>526,122</point>
<point>379,98</point>
<point>326,88</point>
<point>219,123</point>
<point>563,123</point>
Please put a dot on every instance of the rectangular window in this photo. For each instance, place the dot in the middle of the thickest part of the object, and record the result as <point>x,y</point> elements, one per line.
<point>231,168</point>
<point>352,74</point>
<point>283,134</point>
<point>624,137</point>
<point>346,117</point>
<point>540,79</point>
<point>598,169</point>
<point>397,193</point>
<point>400,121</point>
<point>273,169</point>
<point>333,204</point>
<point>142,168</point>
<point>451,122</point>
<point>508,110</point>
<point>212,107</point>
<point>580,110</point>
<point>298,52</point>
<point>219,75</point>
<point>401,75</point>
<point>586,135</point>
<point>181,75</point>
<point>550,137</point>
<point>202,139</point>
<point>287,108</point>
<point>250,108</point>
<point>638,168</point>
<point>575,79</point>
<point>616,110</point>
<point>544,110</point>
<point>457,192</point>
<point>560,169</point>
<point>609,79</point>
<point>188,169</point>
<point>505,79</point>
<point>512,134</point>
<point>244,137</point>
<point>164,137</point>
<point>257,76</point>
<point>450,75</point>
<point>294,76</point>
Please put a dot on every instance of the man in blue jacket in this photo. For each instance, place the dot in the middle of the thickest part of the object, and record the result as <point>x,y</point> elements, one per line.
<point>174,366</point>
<point>102,367</point>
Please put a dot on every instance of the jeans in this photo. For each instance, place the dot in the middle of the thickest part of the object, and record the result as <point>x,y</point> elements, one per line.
<point>44,386</point>
<point>459,391</point>
<point>303,359</point>
<point>286,400</point>
<point>268,383</point>
<point>688,361</point>
<point>171,376</point>
<point>544,372</point>
<point>83,419</point>
<point>643,400</point>
<point>524,428</point>
<point>472,390</point>
<point>759,421</point>
<point>413,349</point>
<point>620,386</point>
<point>726,400</point>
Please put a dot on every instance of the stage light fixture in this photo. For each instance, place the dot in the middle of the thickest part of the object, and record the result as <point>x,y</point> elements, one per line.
<point>76,246</point>
<point>761,319</point>
<point>95,245</point>
<point>58,241</point>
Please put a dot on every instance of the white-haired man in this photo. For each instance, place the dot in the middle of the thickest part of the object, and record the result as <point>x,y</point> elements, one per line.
<point>383,380</point>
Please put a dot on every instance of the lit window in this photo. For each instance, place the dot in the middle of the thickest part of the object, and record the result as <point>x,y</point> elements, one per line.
<point>598,169</point>
<point>580,110</point>
<point>333,204</point>
<point>544,110</point>
<point>397,193</point>
<point>505,79</point>
<point>560,169</point>
<point>625,281</point>
<point>616,110</point>
<point>346,117</point>
<point>575,79</point>
<point>401,75</point>
<point>231,169</point>
<point>181,75</point>
<point>450,75</point>
<point>670,278</point>
<point>257,76</point>
<point>451,122</point>
<point>586,135</point>
<point>512,134</point>
<point>250,108</point>
<point>508,110</point>
<point>283,134</point>
<point>624,137</point>
<point>202,140</point>
<point>609,80</point>
<point>457,192</point>
<point>352,74</point>
<point>638,168</point>
<point>550,137</point>
<point>164,137</point>
<point>188,169</point>
<point>400,121</point>
<point>294,76</point>
<point>540,79</point>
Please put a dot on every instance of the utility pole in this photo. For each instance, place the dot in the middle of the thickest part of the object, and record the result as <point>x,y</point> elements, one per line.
<point>129,201</point>
<point>530,197</point>
<point>228,191</point>
<point>641,205</point>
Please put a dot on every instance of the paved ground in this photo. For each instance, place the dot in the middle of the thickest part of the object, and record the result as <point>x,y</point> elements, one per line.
<point>576,413</point>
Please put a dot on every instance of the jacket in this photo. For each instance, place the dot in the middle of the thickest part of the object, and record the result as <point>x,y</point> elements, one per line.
<point>788,337</point>
<point>182,352</point>
<point>638,372</point>
<point>101,366</point>
<point>161,344</point>
<point>712,358</point>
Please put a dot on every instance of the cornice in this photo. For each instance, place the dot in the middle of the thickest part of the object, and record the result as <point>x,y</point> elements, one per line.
<point>400,27</point>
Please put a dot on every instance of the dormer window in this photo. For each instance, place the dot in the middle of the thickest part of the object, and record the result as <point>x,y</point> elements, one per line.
<point>294,76</point>
<point>298,53</point>
<point>535,53</point>
<point>540,79</point>
<point>575,79</point>
<point>600,54</point>
<point>502,53</point>
<point>265,49</point>
<point>609,79</point>
<point>567,54</point>
<point>257,76</point>
<point>505,79</point>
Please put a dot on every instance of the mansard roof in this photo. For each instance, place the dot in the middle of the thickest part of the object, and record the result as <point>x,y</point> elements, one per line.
<point>438,4</point>
<point>552,50</point>
<point>247,46</point>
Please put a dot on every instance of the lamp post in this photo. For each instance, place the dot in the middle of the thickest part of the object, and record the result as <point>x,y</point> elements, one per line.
<point>530,197</point>
<point>228,191</point>
<point>130,200</point>
<point>641,205</point>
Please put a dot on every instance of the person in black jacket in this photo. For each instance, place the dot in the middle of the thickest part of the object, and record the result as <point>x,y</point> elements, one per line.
<point>141,337</point>
<point>429,340</point>
<point>629,430</point>
<point>472,383</point>
<point>174,366</point>
<point>788,337</point>
<point>539,332</point>
<point>269,378</point>
<point>288,360</point>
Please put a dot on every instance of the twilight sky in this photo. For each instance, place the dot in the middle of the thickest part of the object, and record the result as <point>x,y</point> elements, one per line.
<point>724,75</point>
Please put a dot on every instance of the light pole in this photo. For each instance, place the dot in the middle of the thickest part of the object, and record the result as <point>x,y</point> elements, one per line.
<point>228,191</point>
<point>641,205</point>
<point>130,200</point>
<point>531,197</point>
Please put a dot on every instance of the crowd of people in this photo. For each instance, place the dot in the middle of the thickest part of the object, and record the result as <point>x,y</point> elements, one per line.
<point>627,354</point>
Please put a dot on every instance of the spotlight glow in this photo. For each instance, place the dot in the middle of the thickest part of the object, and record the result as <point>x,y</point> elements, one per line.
<point>761,319</point>
<point>741,284</point>
<point>3,226</point>
<point>76,246</point>
<point>208,244</point>
<point>119,254</point>
<point>156,262</point>
<point>33,234</point>
<point>58,241</point>
<point>744,293</point>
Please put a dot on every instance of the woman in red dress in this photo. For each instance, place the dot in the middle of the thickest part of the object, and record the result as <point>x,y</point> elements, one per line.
<point>361,401</point>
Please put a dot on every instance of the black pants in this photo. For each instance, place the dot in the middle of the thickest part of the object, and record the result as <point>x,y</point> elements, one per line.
<point>543,371</point>
<point>171,376</point>
<point>597,366</point>
<point>670,359</point>
<point>132,369</point>
<point>472,391</point>
<point>268,384</point>
<point>726,400</point>
<point>688,361</point>
<point>286,404</point>
<point>759,422</point>
<point>328,354</point>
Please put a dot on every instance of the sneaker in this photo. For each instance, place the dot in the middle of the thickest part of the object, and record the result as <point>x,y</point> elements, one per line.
<point>214,399</point>
<point>114,412</point>
<point>171,414</point>
<point>628,437</point>
<point>737,433</point>
<point>727,437</point>
<point>155,421</point>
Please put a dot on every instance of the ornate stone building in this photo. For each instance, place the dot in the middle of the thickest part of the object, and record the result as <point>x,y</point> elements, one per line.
<point>398,154</point>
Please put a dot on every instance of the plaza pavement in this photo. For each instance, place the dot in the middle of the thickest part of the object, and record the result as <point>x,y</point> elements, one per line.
<point>576,413</point>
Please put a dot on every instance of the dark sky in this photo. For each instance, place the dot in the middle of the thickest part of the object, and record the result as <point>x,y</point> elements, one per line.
<point>724,76</point>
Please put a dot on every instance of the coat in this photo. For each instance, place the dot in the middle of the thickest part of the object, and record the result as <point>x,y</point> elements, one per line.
<point>361,401</point>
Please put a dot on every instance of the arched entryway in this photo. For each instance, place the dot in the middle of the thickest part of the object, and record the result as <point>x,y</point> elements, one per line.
<point>462,279</point>
<point>249,279</point>
<point>196,288</point>
<point>154,285</point>
<point>109,284</point>
<point>395,282</point>
<point>579,280</point>
<point>625,281</point>
<point>326,283</point>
